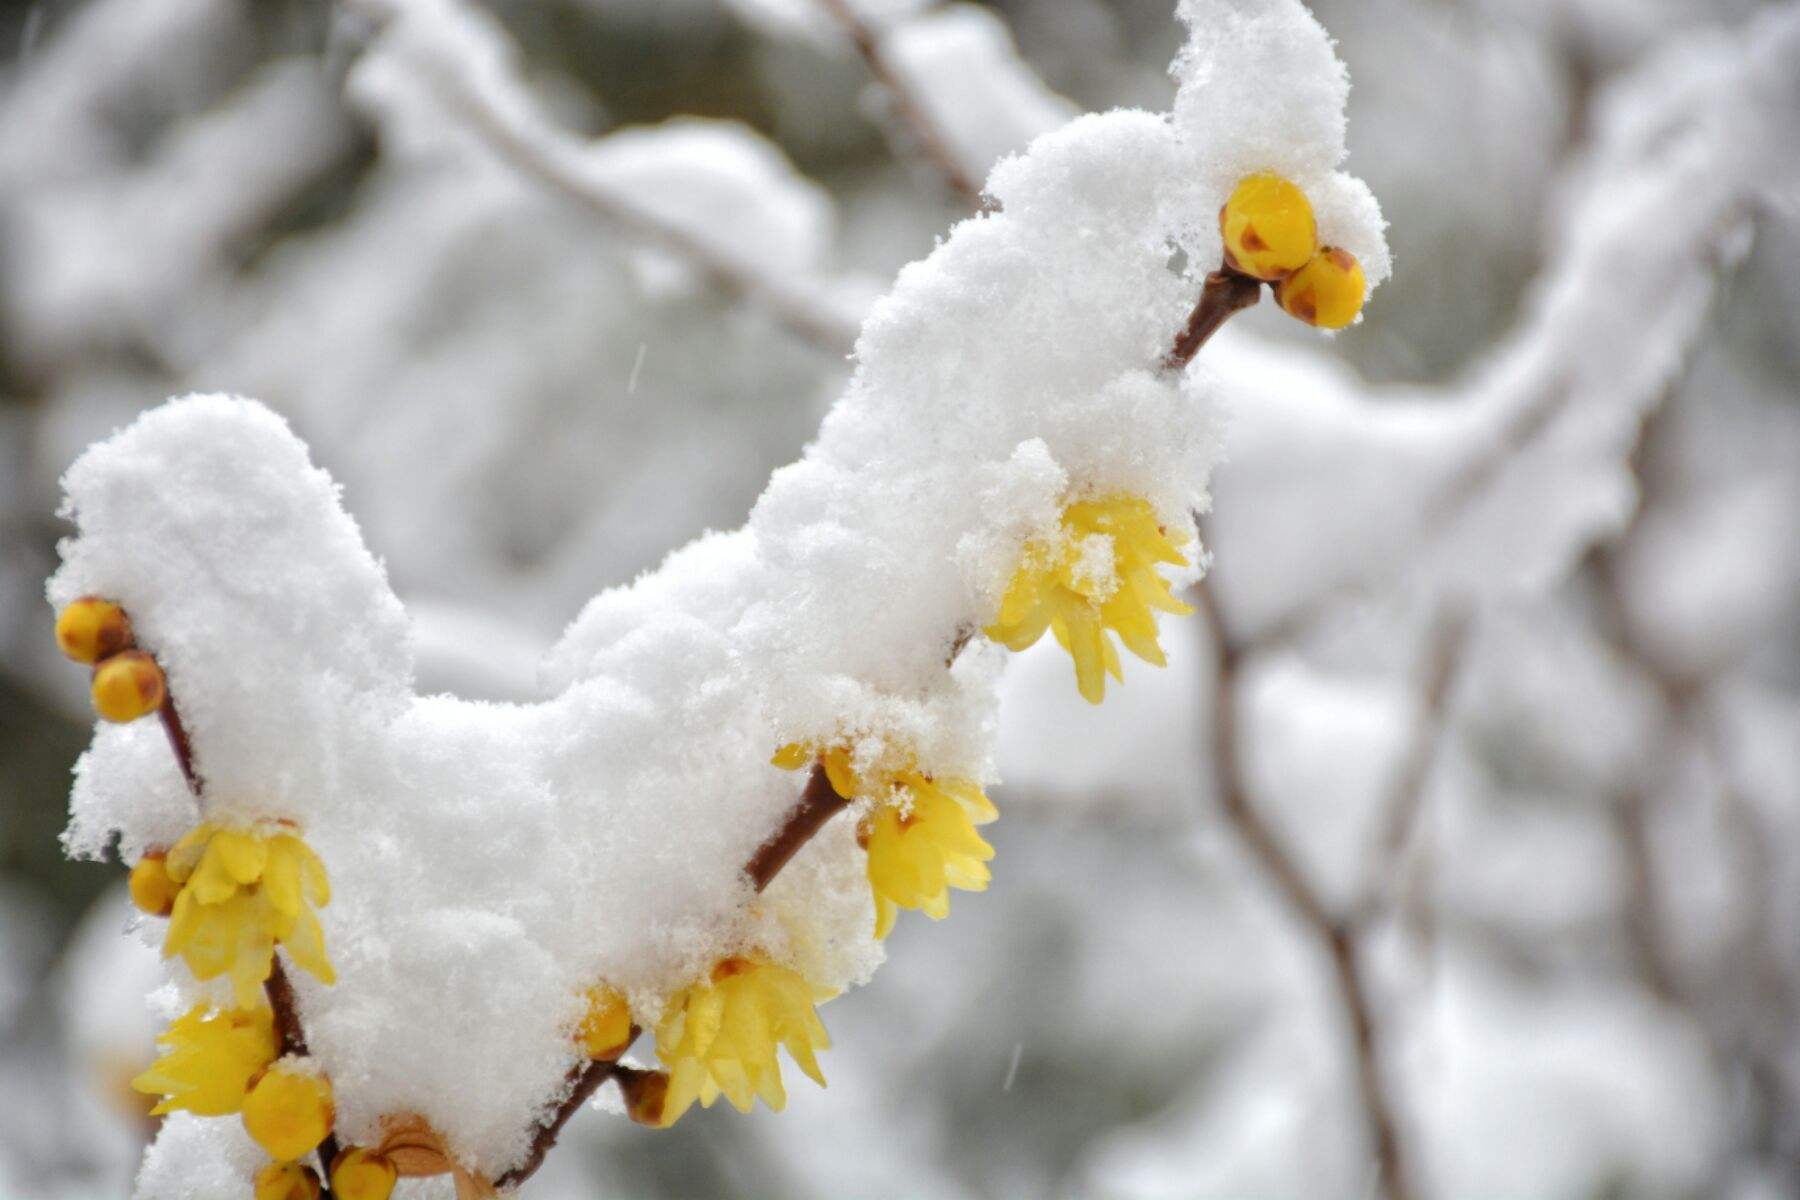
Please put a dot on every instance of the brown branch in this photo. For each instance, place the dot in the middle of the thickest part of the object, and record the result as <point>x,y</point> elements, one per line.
<point>933,145</point>
<point>1447,640</point>
<point>582,1082</point>
<point>1338,937</point>
<point>817,805</point>
<point>278,988</point>
<point>1225,294</point>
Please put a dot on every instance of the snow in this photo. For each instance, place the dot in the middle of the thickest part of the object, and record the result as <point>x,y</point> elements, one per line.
<point>499,858</point>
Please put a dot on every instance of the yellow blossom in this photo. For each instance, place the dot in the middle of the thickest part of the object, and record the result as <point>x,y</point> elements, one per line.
<point>286,1181</point>
<point>152,891</point>
<point>242,893</point>
<point>1268,227</point>
<point>605,1029</point>
<point>90,629</point>
<point>720,1036</point>
<point>922,842</point>
<point>1096,574</point>
<point>289,1110</point>
<point>1328,291</point>
<point>920,832</point>
<point>360,1174</point>
<point>209,1058</point>
<point>127,686</point>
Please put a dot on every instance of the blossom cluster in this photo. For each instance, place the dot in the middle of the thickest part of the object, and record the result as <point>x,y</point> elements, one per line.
<point>562,876</point>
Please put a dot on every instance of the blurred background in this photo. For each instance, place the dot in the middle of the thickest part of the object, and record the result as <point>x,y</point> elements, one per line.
<point>1457,851</point>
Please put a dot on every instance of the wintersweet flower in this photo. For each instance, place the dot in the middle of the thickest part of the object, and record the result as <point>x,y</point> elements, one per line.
<point>362,1174</point>
<point>720,1036</point>
<point>289,1110</point>
<point>1328,291</point>
<point>286,1181</point>
<point>1095,575</point>
<point>242,893</point>
<point>209,1058</point>
<point>835,759</point>
<point>605,1029</point>
<point>152,891</point>
<point>127,686</point>
<point>91,629</point>
<point>1268,227</point>
<point>922,842</point>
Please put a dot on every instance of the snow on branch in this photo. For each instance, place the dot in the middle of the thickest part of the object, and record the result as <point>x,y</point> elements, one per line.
<point>1017,454</point>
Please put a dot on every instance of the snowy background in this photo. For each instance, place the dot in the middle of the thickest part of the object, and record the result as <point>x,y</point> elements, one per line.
<point>1488,882</point>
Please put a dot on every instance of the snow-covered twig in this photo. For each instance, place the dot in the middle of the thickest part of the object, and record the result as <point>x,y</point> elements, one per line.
<point>931,143</point>
<point>483,101</point>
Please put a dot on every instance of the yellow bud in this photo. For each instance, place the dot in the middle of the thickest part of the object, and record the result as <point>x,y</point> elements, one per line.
<point>286,1181</point>
<point>90,629</point>
<point>128,686</point>
<point>1327,292</point>
<point>151,888</point>
<point>288,1111</point>
<point>1268,227</point>
<point>359,1174</point>
<point>645,1095</point>
<point>606,1029</point>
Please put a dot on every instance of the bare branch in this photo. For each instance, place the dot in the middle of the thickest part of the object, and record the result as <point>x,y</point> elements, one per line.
<point>818,804</point>
<point>933,145</point>
<point>1339,938</point>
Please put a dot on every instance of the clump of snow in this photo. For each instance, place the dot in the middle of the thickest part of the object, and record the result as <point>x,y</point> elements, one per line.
<point>491,861</point>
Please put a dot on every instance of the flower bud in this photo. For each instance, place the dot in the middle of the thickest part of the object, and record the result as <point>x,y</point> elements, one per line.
<point>286,1181</point>
<point>128,686</point>
<point>1327,292</point>
<point>288,1111</point>
<point>606,1028</point>
<point>151,888</point>
<point>359,1174</point>
<point>645,1094</point>
<point>90,629</point>
<point>1268,227</point>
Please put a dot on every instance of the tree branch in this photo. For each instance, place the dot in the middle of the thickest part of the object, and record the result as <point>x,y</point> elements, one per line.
<point>818,804</point>
<point>1225,294</point>
<point>1339,938</point>
<point>933,145</point>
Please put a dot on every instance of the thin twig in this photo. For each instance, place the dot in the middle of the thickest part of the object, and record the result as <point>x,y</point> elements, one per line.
<point>932,142</point>
<point>278,988</point>
<point>817,805</point>
<point>540,154</point>
<point>582,1082</point>
<point>1337,936</point>
<point>1225,294</point>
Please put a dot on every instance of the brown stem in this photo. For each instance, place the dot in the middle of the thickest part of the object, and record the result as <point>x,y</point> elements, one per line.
<point>582,1082</point>
<point>817,805</point>
<point>1226,293</point>
<point>1339,938</point>
<point>178,742</point>
<point>932,143</point>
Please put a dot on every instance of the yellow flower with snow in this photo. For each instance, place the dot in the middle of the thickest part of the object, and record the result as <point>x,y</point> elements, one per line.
<point>605,1029</point>
<point>242,893</point>
<point>922,842</point>
<point>719,1037</point>
<point>919,834</point>
<point>1096,575</point>
<point>209,1058</point>
<point>289,1110</point>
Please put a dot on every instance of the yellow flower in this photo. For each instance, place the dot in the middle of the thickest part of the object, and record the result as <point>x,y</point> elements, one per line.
<point>1328,291</point>
<point>209,1058</point>
<point>286,1181</point>
<point>90,629</point>
<point>922,843</point>
<point>359,1174</point>
<point>1268,227</point>
<point>242,893</point>
<point>1096,574</point>
<point>920,834</point>
<point>127,686</point>
<point>152,891</point>
<point>605,1029</point>
<point>720,1036</point>
<point>289,1110</point>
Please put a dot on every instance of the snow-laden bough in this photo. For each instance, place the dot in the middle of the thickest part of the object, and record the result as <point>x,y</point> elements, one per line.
<point>486,904</point>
